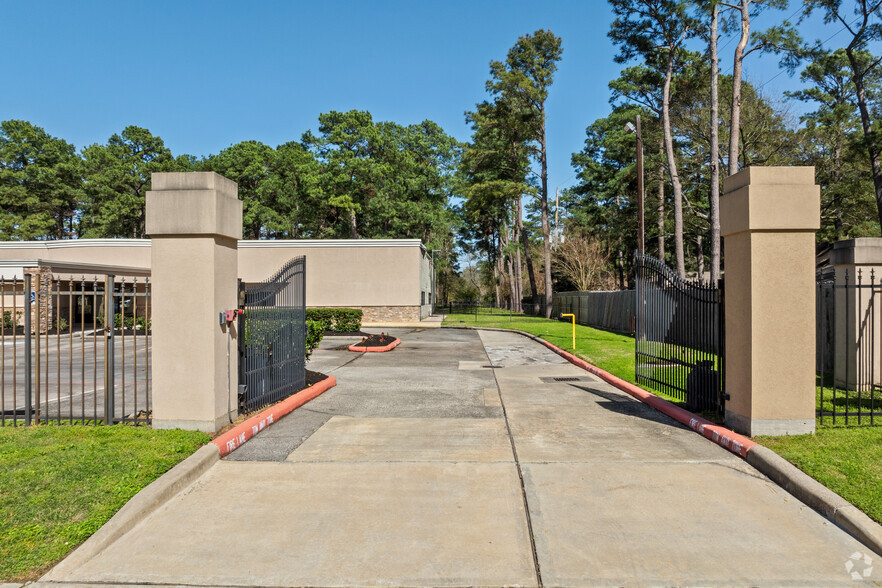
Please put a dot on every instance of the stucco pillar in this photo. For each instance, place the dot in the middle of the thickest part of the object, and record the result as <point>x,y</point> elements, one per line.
<point>768,218</point>
<point>195,222</point>
<point>858,311</point>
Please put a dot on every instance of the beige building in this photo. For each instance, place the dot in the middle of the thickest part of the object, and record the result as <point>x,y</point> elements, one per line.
<point>390,280</point>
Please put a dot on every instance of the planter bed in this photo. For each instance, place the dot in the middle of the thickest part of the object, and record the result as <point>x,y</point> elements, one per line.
<point>376,343</point>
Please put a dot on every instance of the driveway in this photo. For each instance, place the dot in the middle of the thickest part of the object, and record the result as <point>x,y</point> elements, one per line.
<point>475,458</point>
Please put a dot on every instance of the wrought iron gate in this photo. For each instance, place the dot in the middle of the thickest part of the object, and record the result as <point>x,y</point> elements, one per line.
<point>272,337</point>
<point>75,344</point>
<point>679,336</point>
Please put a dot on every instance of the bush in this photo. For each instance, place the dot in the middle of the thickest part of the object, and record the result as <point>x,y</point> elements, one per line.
<point>61,324</point>
<point>336,320</point>
<point>8,321</point>
<point>315,330</point>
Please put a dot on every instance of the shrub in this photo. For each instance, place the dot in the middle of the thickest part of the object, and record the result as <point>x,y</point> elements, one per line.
<point>336,320</point>
<point>315,330</point>
<point>8,321</point>
<point>61,324</point>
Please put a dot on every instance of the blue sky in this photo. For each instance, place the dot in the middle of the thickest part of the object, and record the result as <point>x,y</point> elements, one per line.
<point>205,75</point>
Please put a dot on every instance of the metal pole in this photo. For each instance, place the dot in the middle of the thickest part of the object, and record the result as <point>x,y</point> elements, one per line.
<point>108,350</point>
<point>640,236</point>
<point>28,361</point>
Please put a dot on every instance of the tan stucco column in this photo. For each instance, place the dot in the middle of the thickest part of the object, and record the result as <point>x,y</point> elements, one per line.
<point>768,218</point>
<point>858,313</point>
<point>195,222</point>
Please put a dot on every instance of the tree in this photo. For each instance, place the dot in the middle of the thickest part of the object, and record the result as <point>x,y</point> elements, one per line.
<point>580,259</point>
<point>864,28</point>
<point>383,180</point>
<point>832,141</point>
<point>249,164</point>
<point>40,184</point>
<point>524,79</point>
<point>117,181</point>
<point>656,30</point>
<point>777,39</point>
<point>495,169</point>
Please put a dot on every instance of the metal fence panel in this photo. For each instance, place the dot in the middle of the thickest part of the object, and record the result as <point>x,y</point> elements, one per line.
<point>272,337</point>
<point>63,360</point>
<point>849,375</point>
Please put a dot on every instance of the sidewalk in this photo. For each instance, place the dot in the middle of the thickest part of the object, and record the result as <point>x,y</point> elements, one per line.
<point>409,473</point>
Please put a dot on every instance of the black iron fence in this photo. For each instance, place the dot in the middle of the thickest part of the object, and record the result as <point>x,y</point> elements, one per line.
<point>679,347</point>
<point>75,348</point>
<point>272,337</point>
<point>849,374</point>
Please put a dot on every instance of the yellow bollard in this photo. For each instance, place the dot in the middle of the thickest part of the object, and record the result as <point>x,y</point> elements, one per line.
<point>572,316</point>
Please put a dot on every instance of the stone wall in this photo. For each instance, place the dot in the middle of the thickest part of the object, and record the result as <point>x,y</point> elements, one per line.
<point>390,314</point>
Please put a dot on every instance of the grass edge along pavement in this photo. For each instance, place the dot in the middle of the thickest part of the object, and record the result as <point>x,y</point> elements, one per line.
<point>59,484</point>
<point>119,513</point>
<point>856,474</point>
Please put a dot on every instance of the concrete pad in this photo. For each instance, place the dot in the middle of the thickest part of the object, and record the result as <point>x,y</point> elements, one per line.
<point>511,349</point>
<point>474,365</point>
<point>325,524</point>
<point>583,434</point>
<point>678,524</point>
<point>491,397</point>
<point>344,439</point>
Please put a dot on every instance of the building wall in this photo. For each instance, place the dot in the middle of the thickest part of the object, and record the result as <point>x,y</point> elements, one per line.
<point>383,277</point>
<point>427,294</point>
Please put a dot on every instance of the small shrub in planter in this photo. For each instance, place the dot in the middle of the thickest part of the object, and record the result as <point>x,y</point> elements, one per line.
<point>315,330</point>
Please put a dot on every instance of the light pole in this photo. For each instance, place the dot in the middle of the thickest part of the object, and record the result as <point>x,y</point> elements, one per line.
<point>636,130</point>
<point>434,281</point>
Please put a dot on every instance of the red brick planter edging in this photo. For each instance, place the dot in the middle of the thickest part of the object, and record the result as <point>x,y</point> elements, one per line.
<point>388,347</point>
<point>238,435</point>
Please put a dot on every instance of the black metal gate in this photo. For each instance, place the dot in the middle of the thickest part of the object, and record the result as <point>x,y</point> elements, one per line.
<point>679,336</point>
<point>272,337</point>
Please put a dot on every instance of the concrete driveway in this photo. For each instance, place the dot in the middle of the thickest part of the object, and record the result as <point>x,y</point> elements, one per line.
<point>475,459</point>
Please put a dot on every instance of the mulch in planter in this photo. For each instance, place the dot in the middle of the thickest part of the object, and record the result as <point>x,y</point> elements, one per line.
<point>375,341</point>
<point>379,343</point>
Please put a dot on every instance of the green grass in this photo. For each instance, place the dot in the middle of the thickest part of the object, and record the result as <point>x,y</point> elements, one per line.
<point>845,460</point>
<point>59,484</point>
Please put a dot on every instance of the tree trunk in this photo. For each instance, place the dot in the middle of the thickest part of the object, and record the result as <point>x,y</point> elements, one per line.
<point>525,243</point>
<point>519,282</point>
<point>546,233</point>
<point>497,268</point>
<point>672,169</point>
<point>699,246</point>
<point>866,124</point>
<point>352,225</point>
<point>714,199</point>
<point>735,121</point>
<point>661,208</point>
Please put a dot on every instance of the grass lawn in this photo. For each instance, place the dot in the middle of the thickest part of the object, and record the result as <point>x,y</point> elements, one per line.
<point>60,483</point>
<point>846,460</point>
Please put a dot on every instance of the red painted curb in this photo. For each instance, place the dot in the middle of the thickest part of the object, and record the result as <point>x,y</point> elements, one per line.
<point>388,347</point>
<point>722,436</point>
<point>238,435</point>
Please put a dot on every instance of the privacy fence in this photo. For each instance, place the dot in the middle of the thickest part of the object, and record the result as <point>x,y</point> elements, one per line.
<point>76,344</point>
<point>612,311</point>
